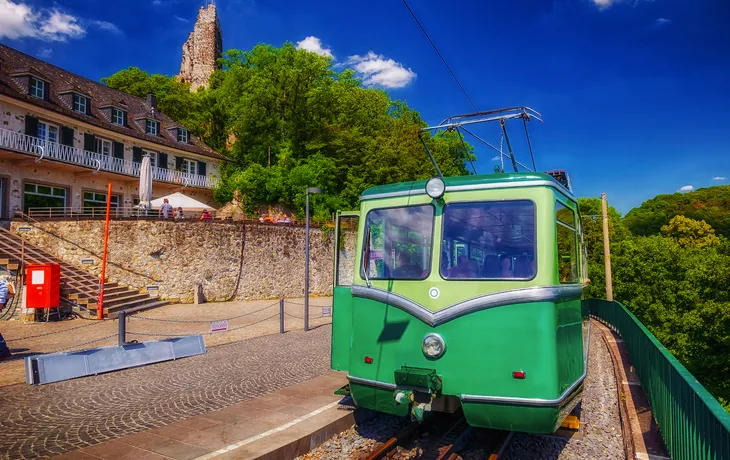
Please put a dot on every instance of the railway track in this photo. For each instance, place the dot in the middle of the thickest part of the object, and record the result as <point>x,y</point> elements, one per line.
<point>451,434</point>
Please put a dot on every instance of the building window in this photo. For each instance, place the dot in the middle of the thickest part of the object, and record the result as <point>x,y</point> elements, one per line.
<point>567,247</point>
<point>103,146</point>
<point>37,88</point>
<point>182,135</point>
<point>151,127</point>
<point>153,157</point>
<point>190,166</point>
<point>47,132</point>
<point>80,103</point>
<point>118,116</point>
<point>96,200</point>
<point>43,196</point>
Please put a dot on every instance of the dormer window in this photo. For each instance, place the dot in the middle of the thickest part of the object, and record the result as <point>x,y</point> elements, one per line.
<point>118,116</point>
<point>183,135</point>
<point>37,88</point>
<point>81,104</point>
<point>152,126</point>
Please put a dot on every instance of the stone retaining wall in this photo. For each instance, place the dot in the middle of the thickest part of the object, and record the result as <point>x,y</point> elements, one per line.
<point>179,255</point>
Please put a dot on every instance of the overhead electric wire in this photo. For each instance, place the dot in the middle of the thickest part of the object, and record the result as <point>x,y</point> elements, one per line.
<point>446,64</point>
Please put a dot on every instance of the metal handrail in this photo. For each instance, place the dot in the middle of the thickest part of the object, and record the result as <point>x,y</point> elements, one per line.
<point>100,211</point>
<point>691,421</point>
<point>45,150</point>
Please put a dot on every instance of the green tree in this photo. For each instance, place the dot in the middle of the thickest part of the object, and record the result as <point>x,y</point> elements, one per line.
<point>690,233</point>
<point>709,204</point>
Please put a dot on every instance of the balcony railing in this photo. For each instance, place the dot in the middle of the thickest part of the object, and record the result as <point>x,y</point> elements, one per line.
<point>45,150</point>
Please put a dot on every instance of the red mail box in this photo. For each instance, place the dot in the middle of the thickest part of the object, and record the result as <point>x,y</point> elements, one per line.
<point>43,285</point>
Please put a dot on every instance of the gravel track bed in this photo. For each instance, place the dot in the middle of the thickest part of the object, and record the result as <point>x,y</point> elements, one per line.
<point>600,437</point>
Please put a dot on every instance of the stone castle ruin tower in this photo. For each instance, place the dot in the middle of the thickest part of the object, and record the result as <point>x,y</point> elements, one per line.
<point>202,48</point>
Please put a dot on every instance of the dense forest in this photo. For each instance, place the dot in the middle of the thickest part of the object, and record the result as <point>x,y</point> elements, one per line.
<point>675,278</point>
<point>288,119</point>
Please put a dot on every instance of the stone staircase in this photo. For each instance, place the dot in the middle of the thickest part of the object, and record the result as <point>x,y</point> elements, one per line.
<point>78,287</point>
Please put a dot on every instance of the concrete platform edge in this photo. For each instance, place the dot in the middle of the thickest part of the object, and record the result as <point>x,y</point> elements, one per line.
<point>317,437</point>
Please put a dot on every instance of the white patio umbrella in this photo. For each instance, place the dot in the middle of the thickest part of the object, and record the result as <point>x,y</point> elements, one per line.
<point>178,200</point>
<point>145,183</point>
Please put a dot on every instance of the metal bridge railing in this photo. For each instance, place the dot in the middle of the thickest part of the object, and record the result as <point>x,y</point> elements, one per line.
<point>692,423</point>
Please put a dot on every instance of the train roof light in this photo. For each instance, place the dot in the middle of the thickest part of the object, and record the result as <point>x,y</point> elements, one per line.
<point>435,187</point>
<point>433,346</point>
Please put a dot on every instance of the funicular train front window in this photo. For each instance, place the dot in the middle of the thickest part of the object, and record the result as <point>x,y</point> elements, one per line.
<point>489,240</point>
<point>398,243</point>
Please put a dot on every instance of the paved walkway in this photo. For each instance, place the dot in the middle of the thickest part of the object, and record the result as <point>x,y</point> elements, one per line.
<point>251,319</point>
<point>283,423</point>
<point>42,421</point>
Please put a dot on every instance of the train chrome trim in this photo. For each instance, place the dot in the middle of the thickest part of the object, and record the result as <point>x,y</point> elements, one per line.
<point>483,302</point>
<point>535,402</point>
<point>372,383</point>
<point>469,187</point>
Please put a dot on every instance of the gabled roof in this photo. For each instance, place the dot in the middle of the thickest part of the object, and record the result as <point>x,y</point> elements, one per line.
<point>15,63</point>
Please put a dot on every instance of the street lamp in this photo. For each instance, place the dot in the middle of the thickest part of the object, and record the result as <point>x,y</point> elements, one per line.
<point>314,191</point>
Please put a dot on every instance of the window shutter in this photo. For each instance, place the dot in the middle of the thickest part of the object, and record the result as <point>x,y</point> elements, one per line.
<point>162,160</point>
<point>118,150</point>
<point>201,168</point>
<point>67,136</point>
<point>88,106</point>
<point>89,142</point>
<point>137,154</point>
<point>178,163</point>
<point>30,86</point>
<point>31,126</point>
<point>124,116</point>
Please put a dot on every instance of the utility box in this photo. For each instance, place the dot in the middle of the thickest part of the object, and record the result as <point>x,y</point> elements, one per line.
<point>43,286</point>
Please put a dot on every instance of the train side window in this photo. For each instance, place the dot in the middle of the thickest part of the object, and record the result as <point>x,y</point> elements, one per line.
<point>398,243</point>
<point>566,243</point>
<point>346,249</point>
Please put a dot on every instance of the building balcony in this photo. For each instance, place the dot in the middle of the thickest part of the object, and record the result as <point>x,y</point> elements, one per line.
<point>45,150</point>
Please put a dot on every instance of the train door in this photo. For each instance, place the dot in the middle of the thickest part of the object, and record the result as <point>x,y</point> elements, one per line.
<point>346,226</point>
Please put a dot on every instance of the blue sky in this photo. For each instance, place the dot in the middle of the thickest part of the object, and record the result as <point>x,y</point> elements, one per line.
<point>634,93</point>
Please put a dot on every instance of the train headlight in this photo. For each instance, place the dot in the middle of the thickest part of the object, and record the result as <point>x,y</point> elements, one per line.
<point>435,187</point>
<point>433,346</point>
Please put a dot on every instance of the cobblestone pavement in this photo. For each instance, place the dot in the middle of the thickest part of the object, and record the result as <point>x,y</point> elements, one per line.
<point>252,318</point>
<point>42,421</point>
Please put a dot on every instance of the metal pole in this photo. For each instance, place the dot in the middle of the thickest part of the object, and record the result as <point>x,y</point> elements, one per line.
<point>509,145</point>
<point>606,249</point>
<point>122,328</point>
<point>281,315</point>
<point>100,306</point>
<point>306,264</point>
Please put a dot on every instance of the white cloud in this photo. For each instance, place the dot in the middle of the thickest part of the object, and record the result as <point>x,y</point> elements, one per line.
<point>314,45</point>
<point>495,158</point>
<point>105,25</point>
<point>663,21</point>
<point>16,20</point>
<point>157,2</point>
<point>719,178</point>
<point>376,70</point>
<point>603,4</point>
<point>44,53</point>
<point>686,188</point>
<point>181,19</point>
<point>60,26</point>
<point>19,20</point>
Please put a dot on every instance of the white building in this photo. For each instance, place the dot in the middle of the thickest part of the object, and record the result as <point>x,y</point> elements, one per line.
<point>63,138</point>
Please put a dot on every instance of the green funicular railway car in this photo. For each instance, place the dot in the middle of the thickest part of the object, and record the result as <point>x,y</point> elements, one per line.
<point>464,292</point>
